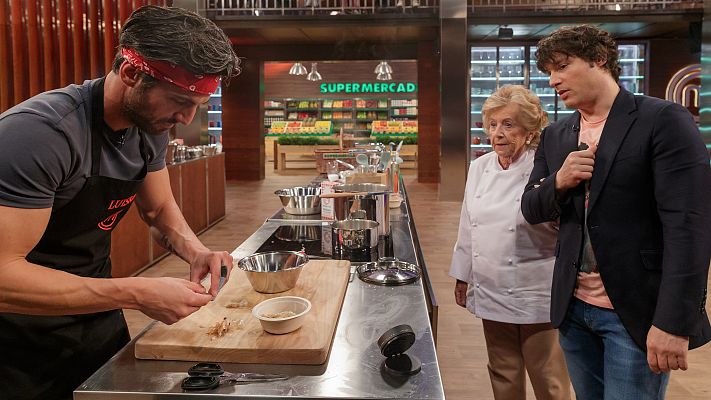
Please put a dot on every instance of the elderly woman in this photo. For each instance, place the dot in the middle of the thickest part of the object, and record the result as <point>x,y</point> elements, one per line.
<point>503,265</point>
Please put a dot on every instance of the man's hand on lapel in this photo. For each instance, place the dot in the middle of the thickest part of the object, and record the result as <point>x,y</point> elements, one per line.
<point>577,167</point>
<point>665,351</point>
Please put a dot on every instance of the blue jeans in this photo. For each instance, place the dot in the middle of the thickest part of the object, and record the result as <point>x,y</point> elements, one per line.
<point>603,360</point>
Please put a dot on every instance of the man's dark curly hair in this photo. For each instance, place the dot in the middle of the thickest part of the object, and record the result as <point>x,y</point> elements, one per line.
<point>587,42</point>
<point>179,37</point>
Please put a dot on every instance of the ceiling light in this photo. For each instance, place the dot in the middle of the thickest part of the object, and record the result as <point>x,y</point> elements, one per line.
<point>505,33</point>
<point>313,75</point>
<point>256,12</point>
<point>384,76</point>
<point>383,68</point>
<point>617,7</point>
<point>298,69</point>
<point>334,13</point>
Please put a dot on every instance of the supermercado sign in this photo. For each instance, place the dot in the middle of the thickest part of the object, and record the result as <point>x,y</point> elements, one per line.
<point>364,87</point>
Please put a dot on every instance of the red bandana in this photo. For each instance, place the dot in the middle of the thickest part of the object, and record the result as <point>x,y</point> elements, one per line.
<point>165,71</point>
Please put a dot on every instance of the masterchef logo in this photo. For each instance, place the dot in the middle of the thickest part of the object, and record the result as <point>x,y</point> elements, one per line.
<point>121,205</point>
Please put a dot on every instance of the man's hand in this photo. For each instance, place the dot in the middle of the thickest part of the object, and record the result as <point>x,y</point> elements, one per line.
<point>665,351</point>
<point>170,299</point>
<point>460,293</point>
<point>211,261</point>
<point>577,167</point>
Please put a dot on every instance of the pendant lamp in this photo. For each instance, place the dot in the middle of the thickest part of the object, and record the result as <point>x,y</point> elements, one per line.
<point>383,68</point>
<point>298,69</point>
<point>313,75</point>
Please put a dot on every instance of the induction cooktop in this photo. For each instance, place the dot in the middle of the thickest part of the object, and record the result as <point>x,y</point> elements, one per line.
<point>315,240</point>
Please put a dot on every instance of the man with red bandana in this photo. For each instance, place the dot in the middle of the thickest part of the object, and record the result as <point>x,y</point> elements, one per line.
<point>72,162</point>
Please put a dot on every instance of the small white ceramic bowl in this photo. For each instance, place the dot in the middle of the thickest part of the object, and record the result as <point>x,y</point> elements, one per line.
<point>279,326</point>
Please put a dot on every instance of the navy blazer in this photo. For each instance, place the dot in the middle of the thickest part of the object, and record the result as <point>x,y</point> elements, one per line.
<point>649,216</point>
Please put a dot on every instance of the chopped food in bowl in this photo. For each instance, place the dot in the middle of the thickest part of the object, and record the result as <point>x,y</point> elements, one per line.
<point>281,315</point>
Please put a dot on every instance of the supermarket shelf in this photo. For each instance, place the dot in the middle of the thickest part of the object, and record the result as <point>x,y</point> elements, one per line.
<point>304,109</point>
<point>296,134</point>
<point>392,134</point>
<point>333,109</point>
<point>403,115</point>
<point>372,109</point>
<point>274,108</point>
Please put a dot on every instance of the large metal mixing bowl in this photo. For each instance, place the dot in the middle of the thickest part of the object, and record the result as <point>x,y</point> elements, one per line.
<point>274,271</point>
<point>300,200</point>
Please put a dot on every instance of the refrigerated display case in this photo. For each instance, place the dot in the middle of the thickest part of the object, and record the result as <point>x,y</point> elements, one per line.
<point>496,66</point>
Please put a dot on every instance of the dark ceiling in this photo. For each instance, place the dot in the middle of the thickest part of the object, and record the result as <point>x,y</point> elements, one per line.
<point>310,30</point>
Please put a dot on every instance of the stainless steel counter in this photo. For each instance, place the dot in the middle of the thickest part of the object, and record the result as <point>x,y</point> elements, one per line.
<point>353,369</point>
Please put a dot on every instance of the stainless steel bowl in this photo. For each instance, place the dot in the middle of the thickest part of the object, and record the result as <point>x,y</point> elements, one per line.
<point>274,271</point>
<point>300,200</point>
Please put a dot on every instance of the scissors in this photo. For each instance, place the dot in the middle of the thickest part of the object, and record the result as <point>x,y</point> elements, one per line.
<point>206,376</point>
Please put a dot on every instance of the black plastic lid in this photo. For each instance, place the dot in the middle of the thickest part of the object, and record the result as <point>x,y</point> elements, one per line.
<point>402,365</point>
<point>396,340</point>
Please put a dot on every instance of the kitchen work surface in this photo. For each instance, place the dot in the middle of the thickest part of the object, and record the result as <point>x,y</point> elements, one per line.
<point>205,335</point>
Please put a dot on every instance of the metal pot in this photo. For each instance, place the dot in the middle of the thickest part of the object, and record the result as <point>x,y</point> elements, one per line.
<point>171,152</point>
<point>354,235</point>
<point>369,197</point>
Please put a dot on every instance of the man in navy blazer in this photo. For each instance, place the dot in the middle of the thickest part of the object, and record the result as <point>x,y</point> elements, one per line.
<point>628,177</point>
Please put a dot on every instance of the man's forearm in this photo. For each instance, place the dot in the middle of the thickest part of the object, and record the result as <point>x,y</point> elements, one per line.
<point>171,231</point>
<point>27,288</point>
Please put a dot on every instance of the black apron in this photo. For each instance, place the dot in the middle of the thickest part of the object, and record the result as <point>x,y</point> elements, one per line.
<point>48,357</point>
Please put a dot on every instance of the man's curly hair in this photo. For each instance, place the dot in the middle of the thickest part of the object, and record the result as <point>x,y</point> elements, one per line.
<point>587,42</point>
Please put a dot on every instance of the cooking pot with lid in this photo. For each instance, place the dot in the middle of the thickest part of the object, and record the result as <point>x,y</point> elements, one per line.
<point>371,198</point>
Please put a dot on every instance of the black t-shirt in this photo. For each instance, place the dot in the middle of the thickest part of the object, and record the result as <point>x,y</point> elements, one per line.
<point>45,149</point>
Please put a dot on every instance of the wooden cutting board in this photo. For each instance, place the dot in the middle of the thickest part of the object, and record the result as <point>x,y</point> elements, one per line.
<point>323,282</point>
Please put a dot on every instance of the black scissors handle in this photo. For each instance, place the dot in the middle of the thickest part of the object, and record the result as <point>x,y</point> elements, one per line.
<point>196,383</point>
<point>206,370</point>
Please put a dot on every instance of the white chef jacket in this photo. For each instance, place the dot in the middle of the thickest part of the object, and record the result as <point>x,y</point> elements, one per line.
<point>507,262</point>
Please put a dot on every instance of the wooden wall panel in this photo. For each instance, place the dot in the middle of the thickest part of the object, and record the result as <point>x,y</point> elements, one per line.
<point>215,188</point>
<point>18,52</point>
<point>78,13</point>
<point>242,138</point>
<point>62,22</point>
<point>428,137</point>
<point>193,194</point>
<point>5,60</point>
<point>48,47</point>
<point>174,174</point>
<point>46,44</point>
<point>33,49</point>
<point>129,245</point>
